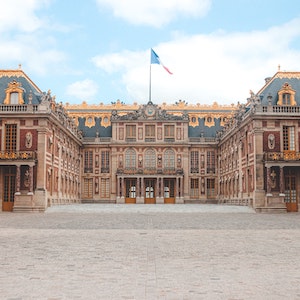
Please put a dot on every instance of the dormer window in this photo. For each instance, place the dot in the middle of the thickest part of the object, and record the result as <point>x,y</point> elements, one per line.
<point>14,93</point>
<point>286,96</point>
<point>286,99</point>
<point>209,121</point>
<point>14,98</point>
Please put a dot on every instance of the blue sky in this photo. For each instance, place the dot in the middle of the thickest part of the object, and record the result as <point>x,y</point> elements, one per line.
<point>98,51</point>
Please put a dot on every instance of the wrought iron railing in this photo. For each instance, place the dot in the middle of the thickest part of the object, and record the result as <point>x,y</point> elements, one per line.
<point>166,171</point>
<point>282,156</point>
<point>17,155</point>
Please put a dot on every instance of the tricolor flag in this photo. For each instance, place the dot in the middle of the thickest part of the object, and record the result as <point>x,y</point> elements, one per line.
<point>156,60</point>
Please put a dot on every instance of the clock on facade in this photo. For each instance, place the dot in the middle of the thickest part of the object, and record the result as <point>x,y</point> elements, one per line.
<point>150,111</point>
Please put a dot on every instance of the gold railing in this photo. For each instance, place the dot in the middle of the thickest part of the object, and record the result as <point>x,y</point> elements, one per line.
<point>17,155</point>
<point>149,171</point>
<point>282,156</point>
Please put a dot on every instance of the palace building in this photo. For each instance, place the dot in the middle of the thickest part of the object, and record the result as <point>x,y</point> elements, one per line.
<point>243,154</point>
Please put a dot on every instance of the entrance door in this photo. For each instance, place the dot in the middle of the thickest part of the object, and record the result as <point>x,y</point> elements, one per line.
<point>150,191</point>
<point>169,191</point>
<point>9,188</point>
<point>130,194</point>
<point>290,193</point>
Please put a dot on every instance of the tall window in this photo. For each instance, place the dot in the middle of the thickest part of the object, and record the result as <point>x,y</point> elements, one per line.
<point>150,159</point>
<point>210,185</point>
<point>211,166</point>
<point>88,187</point>
<point>194,161</point>
<point>288,138</point>
<point>104,188</point>
<point>194,190</point>
<point>88,161</point>
<point>169,159</point>
<point>105,161</point>
<point>169,132</point>
<point>150,133</point>
<point>130,132</point>
<point>11,137</point>
<point>130,159</point>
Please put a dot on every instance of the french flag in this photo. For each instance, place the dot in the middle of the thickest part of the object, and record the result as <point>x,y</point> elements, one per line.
<point>156,60</point>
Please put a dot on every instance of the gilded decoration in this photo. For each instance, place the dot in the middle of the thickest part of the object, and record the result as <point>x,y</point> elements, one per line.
<point>288,75</point>
<point>14,87</point>
<point>105,120</point>
<point>89,120</point>
<point>194,120</point>
<point>18,73</point>
<point>286,90</point>
<point>178,111</point>
<point>209,121</point>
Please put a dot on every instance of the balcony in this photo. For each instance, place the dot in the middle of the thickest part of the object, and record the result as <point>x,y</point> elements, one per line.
<point>18,108</point>
<point>88,170</point>
<point>282,156</point>
<point>105,170</point>
<point>150,171</point>
<point>17,155</point>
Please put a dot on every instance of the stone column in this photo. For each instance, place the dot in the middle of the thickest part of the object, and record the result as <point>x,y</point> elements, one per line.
<point>282,185</point>
<point>122,186</point>
<point>18,180</point>
<point>118,186</point>
<point>30,188</point>
<point>268,182</point>
<point>142,190</point>
<point>162,187</point>
<point>138,187</point>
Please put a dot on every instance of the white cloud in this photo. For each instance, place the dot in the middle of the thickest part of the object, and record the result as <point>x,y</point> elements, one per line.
<point>20,15</point>
<point>83,90</point>
<point>25,37</point>
<point>220,67</point>
<point>36,56</point>
<point>155,12</point>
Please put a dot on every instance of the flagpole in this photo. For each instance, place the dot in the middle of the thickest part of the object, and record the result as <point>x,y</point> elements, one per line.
<point>150,80</point>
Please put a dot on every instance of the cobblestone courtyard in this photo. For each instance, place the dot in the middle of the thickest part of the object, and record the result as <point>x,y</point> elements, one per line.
<point>149,252</point>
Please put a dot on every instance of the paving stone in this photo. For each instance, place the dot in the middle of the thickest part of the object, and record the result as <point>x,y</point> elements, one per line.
<point>149,252</point>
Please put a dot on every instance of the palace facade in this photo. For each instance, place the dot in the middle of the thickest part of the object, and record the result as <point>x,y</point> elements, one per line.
<point>244,154</point>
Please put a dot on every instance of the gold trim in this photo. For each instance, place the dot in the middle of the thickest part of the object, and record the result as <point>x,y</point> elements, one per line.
<point>18,73</point>
<point>286,89</point>
<point>288,75</point>
<point>14,87</point>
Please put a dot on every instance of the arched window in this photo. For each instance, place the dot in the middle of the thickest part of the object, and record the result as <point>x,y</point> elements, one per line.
<point>169,159</point>
<point>130,159</point>
<point>150,159</point>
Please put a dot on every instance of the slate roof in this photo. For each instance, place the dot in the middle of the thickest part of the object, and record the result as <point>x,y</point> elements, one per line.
<point>7,76</point>
<point>275,84</point>
<point>205,131</point>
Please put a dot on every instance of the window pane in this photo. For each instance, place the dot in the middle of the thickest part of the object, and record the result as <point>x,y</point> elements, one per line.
<point>14,98</point>
<point>130,159</point>
<point>150,159</point>
<point>169,159</point>
<point>11,137</point>
<point>194,162</point>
